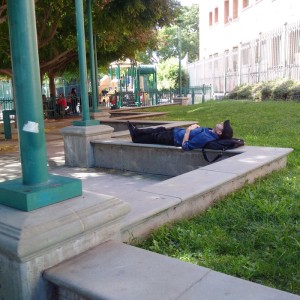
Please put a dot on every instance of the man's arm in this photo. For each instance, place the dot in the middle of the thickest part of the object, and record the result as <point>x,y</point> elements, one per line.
<point>187,132</point>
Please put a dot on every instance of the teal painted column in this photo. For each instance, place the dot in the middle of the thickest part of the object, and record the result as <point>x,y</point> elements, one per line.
<point>179,58</point>
<point>138,86</point>
<point>86,121</point>
<point>120,85</point>
<point>111,72</point>
<point>92,57</point>
<point>28,95</point>
<point>96,69</point>
<point>155,85</point>
<point>36,188</point>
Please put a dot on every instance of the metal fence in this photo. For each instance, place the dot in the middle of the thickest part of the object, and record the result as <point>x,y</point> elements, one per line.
<point>6,104</point>
<point>5,90</point>
<point>155,96</point>
<point>152,97</point>
<point>274,54</point>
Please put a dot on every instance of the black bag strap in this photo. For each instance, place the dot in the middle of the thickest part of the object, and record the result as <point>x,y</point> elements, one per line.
<point>214,159</point>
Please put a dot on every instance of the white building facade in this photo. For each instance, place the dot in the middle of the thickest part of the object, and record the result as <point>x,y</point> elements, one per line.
<point>246,41</point>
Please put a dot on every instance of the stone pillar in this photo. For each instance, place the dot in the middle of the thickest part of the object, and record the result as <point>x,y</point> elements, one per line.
<point>78,149</point>
<point>31,242</point>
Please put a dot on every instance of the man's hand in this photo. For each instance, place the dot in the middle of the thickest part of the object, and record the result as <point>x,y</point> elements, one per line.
<point>194,126</point>
<point>187,132</point>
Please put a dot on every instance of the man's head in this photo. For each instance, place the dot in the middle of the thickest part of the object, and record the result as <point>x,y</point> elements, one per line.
<point>224,130</point>
<point>227,132</point>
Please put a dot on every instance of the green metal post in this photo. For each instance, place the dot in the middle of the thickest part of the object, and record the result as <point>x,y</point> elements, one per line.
<point>36,188</point>
<point>2,89</point>
<point>64,87</point>
<point>126,76</point>
<point>155,86</point>
<point>138,86</point>
<point>111,72</point>
<point>92,56</point>
<point>6,122</point>
<point>96,69</point>
<point>86,121</point>
<point>179,58</point>
<point>26,71</point>
<point>132,75</point>
<point>193,96</point>
<point>120,86</point>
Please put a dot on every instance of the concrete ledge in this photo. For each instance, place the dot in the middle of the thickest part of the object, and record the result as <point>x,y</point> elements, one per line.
<point>151,159</point>
<point>196,185</point>
<point>193,192</point>
<point>127,115</point>
<point>117,271</point>
<point>120,126</point>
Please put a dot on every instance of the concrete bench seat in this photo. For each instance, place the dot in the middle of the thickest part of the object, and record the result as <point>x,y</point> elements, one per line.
<point>151,159</point>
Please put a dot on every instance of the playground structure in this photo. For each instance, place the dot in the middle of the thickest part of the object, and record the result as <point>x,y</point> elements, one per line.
<point>129,84</point>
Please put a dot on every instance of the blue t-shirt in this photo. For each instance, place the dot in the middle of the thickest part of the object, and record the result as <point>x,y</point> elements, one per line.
<point>199,137</point>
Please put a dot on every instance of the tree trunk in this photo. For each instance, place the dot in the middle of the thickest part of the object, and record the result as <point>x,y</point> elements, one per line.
<point>52,84</point>
<point>42,78</point>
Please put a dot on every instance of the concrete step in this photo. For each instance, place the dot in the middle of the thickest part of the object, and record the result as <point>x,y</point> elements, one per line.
<point>118,271</point>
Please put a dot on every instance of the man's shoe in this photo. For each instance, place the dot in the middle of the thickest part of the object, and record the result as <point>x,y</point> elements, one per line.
<point>132,129</point>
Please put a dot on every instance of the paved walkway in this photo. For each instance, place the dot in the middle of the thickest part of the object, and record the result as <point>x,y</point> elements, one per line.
<point>111,182</point>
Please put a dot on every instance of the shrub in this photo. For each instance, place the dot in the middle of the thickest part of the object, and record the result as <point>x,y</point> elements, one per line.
<point>295,92</point>
<point>282,89</point>
<point>232,94</point>
<point>243,91</point>
<point>256,91</point>
<point>266,91</point>
<point>262,91</point>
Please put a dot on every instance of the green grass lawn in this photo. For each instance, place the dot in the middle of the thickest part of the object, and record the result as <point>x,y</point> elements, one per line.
<point>253,233</point>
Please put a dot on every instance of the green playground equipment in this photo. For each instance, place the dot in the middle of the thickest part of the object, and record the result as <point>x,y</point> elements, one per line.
<point>134,84</point>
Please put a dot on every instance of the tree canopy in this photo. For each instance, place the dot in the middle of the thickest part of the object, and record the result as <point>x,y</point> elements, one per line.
<point>122,28</point>
<point>168,74</point>
<point>188,21</point>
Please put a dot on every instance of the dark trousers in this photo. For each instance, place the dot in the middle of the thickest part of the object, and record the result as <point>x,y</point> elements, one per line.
<point>159,135</point>
<point>74,102</point>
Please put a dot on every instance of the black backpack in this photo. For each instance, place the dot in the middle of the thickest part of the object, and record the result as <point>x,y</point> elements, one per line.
<point>221,145</point>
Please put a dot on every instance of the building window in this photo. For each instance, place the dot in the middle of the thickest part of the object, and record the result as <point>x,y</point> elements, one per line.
<point>216,15</point>
<point>210,18</point>
<point>226,11</point>
<point>235,9</point>
<point>245,3</point>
